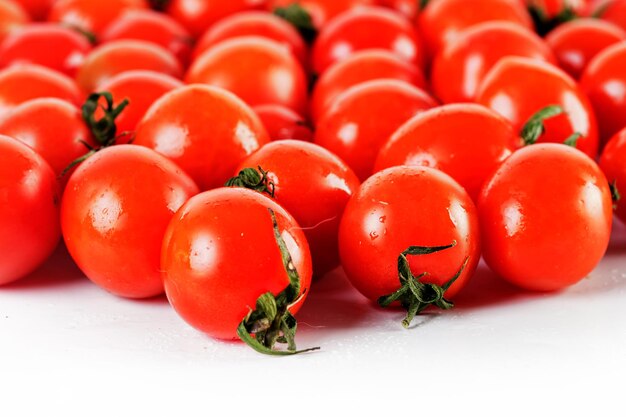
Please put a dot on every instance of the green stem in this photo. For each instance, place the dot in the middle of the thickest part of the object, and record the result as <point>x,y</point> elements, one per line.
<point>253,179</point>
<point>535,126</point>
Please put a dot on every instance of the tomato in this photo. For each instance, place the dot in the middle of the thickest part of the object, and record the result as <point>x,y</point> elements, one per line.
<point>466,141</point>
<point>460,67</point>
<point>314,186</point>
<point>120,56</point>
<point>322,11</point>
<point>545,217</point>
<point>258,70</point>
<point>357,68</point>
<point>577,42</point>
<point>142,89</point>
<point>442,21</point>
<point>220,255</point>
<point>37,9</point>
<point>517,88</point>
<point>612,164</point>
<point>206,130</point>
<point>604,81</point>
<point>150,26</point>
<point>615,12</point>
<point>12,16</point>
<point>50,45</point>
<point>29,212</point>
<point>408,8</point>
<point>115,210</point>
<point>361,120</point>
<point>254,23</point>
<point>365,28</point>
<point>283,123</point>
<point>21,83</point>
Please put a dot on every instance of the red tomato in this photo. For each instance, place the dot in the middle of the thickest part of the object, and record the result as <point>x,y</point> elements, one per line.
<point>460,67</point>
<point>612,164</point>
<point>254,23</point>
<point>365,28</point>
<point>360,67</point>
<point>361,120</point>
<point>115,210</point>
<point>545,228</point>
<point>408,8</point>
<point>25,82</point>
<point>142,89</point>
<point>206,130</point>
<point>314,186</point>
<point>466,141</point>
<point>577,42</point>
<point>12,16</point>
<point>258,70</point>
<point>322,11</point>
<point>117,57</point>
<point>50,45</point>
<point>402,207</point>
<point>150,26</point>
<point>282,123</point>
<point>37,9</point>
<point>604,81</point>
<point>615,12</point>
<point>517,88</point>
<point>29,212</point>
<point>220,255</point>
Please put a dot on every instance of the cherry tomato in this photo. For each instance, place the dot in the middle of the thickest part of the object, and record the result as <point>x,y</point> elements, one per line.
<point>116,57</point>
<point>612,164</point>
<point>258,70</point>
<point>360,67</point>
<point>322,11</point>
<point>206,130</point>
<point>361,120</point>
<point>282,123</point>
<point>466,141</point>
<point>50,45</point>
<point>545,217</point>
<point>517,88</point>
<point>614,11</point>
<point>37,9</point>
<point>220,255</point>
<point>314,186</point>
<point>115,210</point>
<point>461,65</point>
<point>29,212</point>
<point>408,206</point>
<point>12,16</point>
<point>577,42</point>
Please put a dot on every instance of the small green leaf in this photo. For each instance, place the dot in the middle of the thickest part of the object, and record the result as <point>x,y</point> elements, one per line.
<point>573,139</point>
<point>256,179</point>
<point>534,127</point>
<point>300,19</point>
<point>615,194</point>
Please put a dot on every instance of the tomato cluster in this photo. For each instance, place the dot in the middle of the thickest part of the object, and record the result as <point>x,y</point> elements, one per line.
<point>230,153</point>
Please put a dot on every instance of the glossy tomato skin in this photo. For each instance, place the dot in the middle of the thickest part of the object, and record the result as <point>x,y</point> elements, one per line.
<point>361,66</point>
<point>322,11</point>
<point>615,12</point>
<point>361,120</point>
<point>365,28</point>
<point>401,207</point>
<point>577,42</point>
<point>283,123</point>
<point>460,67</point>
<point>517,88</point>
<point>220,254</point>
<point>12,16</point>
<point>408,8</point>
<point>29,210</point>
<point>466,141</point>
<point>115,210</point>
<point>314,186</point>
<point>247,66</point>
<point>543,228</point>
<point>612,164</point>
<point>207,131</point>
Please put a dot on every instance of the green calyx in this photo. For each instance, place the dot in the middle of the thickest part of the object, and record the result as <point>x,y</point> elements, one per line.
<point>414,295</point>
<point>300,19</point>
<point>271,322</point>
<point>535,126</point>
<point>421,4</point>
<point>253,179</point>
<point>615,194</point>
<point>91,37</point>
<point>159,4</point>
<point>544,24</point>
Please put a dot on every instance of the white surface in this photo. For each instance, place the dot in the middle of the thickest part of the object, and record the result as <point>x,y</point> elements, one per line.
<point>68,348</point>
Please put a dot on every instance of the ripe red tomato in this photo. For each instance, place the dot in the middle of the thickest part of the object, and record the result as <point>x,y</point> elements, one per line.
<point>37,9</point>
<point>361,66</point>
<point>50,45</point>
<point>258,70</point>
<point>321,11</point>
<point>12,16</point>
<point>314,186</point>
<point>612,164</point>
<point>150,26</point>
<point>604,81</point>
<point>29,212</point>
<point>220,255</point>
<point>402,207</point>
<point>577,42</point>
<point>539,238</point>
<point>360,120</point>
<point>466,141</point>
<point>615,12</point>
<point>517,88</point>
<point>283,123</point>
<point>460,67</point>
<point>115,210</point>
<point>206,130</point>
